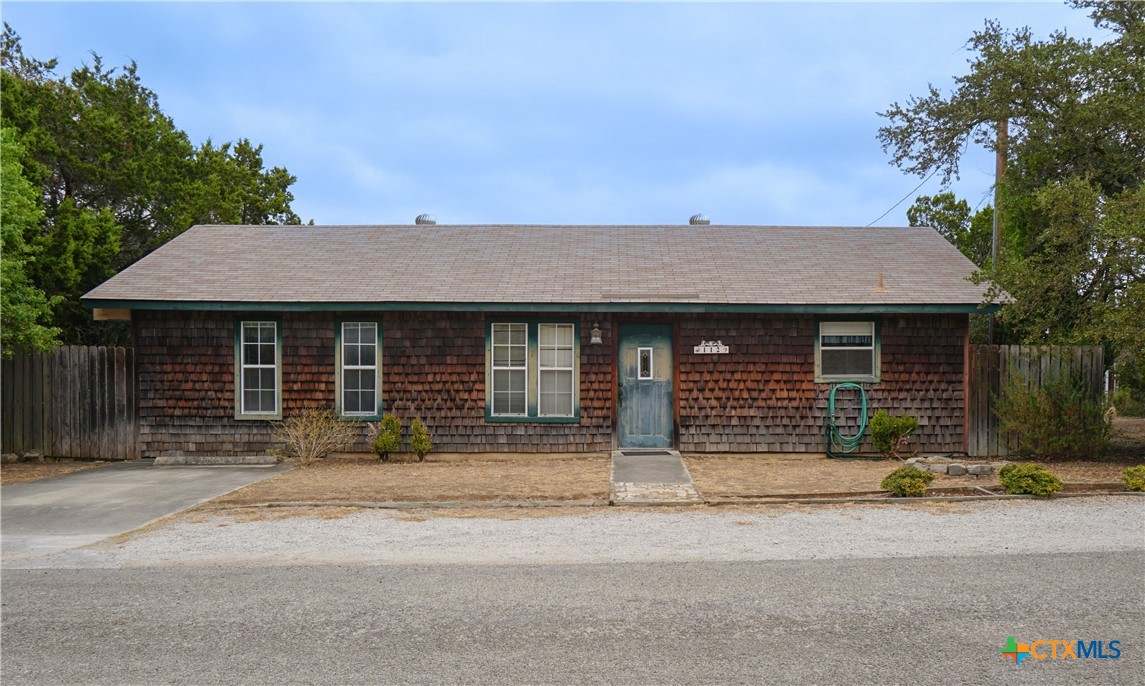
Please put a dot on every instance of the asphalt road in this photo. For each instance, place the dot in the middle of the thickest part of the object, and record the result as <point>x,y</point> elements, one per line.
<point>922,620</point>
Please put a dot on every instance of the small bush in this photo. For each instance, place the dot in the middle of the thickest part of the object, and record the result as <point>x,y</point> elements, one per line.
<point>908,481</point>
<point>1134,478</point>
<point>1126,404</point>
<point>1030,478</point>
<point>312,435</point>
<point>387,436</point>
<point>419,440</point>
<point>1058,421</point>
<point>889,434</point>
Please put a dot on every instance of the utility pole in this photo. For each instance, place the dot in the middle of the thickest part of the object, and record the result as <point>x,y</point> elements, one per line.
<point>999,172</point>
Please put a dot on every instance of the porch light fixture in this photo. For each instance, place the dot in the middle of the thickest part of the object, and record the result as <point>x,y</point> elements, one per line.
<point>596,339</point>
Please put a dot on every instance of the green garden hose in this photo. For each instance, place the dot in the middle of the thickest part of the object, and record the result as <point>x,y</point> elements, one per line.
<point>837,443</point>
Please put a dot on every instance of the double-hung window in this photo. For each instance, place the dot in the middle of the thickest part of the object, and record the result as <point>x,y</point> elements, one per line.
<point>533,371</point>
<point>510,394</point>
<point>358,380</point>
<point>847,351</point>
<point>258,362</point>
<point>555,382</point>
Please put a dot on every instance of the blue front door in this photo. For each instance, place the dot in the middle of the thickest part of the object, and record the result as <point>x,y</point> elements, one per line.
<point>645,386</point>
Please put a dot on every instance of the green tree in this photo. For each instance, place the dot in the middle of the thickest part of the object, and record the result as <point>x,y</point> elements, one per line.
<point>970,233</point>
<point>24,309</point>
<point>1070,199</point>
<point>117,178</point>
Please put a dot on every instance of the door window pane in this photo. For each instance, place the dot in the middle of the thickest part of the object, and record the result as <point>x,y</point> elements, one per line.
<point>644,362</point>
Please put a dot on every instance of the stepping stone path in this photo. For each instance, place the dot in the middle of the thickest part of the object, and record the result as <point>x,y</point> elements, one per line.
<point>651,477</point>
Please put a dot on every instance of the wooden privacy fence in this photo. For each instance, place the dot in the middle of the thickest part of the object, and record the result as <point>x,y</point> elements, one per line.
<point>991,367</point>
<point>74,401</point>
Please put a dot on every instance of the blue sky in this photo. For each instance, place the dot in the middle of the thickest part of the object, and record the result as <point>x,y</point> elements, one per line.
<point>551,113</point>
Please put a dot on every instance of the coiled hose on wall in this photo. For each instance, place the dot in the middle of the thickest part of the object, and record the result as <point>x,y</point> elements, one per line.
<point>838,444</point>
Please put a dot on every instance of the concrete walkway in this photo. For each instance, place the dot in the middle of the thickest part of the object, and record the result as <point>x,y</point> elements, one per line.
<point>651,477</point>
<point>78,509</point>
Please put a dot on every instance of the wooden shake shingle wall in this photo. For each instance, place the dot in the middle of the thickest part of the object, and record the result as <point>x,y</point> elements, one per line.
<point>761,397</point>
<point>437,298</point>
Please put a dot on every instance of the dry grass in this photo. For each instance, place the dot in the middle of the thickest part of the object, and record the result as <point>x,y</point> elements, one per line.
<point>354,478</point>
<point>19,472</point>
<point>748,475</point>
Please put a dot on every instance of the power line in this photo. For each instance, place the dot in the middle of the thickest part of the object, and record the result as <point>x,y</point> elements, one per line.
<point>904,197</point>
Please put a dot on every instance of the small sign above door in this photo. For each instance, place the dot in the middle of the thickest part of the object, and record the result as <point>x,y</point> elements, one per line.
<point>711,348</point>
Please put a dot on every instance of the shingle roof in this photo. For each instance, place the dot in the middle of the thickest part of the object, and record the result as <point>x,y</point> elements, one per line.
<point>748,265</point>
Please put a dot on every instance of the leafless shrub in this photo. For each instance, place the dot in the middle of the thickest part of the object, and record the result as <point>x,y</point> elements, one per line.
<point>311,435</point>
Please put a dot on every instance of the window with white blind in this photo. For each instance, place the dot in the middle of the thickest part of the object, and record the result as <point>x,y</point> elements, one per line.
<point>847,350</point>
<point>533,371</point>
<point>555,377</point>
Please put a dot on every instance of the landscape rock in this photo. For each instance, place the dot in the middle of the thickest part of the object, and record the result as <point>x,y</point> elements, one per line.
<point>8,458</point>
<point>980,469</point>
<point>956,470</point>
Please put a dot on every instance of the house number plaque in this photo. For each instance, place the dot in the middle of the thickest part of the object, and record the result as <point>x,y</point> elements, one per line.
<point>711,348</point>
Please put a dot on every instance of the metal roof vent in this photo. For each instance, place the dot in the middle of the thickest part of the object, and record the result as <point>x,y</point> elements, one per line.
<point>699,220</point>
<point>425,219</point>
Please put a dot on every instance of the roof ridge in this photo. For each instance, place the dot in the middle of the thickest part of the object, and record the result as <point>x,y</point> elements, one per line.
<point>430,227</point>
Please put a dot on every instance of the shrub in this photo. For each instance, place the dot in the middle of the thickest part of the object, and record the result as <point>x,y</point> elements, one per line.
<point>1058,421</point>
<point>1134,478</point>
<point>889,434</point>
<point>1126,404</point>
<point>908,481</point>
<point>387,436</point>
<point>1029,478</point>
<point>419,440</point>
<point>312,435</point>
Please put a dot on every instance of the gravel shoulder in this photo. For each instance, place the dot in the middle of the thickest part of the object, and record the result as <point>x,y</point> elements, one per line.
<point>351,537</point>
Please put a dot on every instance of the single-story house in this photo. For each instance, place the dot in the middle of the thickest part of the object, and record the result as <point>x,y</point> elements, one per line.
<point>546,338</point>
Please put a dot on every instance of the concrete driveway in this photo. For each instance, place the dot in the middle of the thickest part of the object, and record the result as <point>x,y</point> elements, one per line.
<point>73,510</point>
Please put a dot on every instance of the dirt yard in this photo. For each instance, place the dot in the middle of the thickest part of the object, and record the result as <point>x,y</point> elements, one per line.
<point>18,472</point>
<point>750,475</point>
<point>354,478</point>
<point>1128,438</point>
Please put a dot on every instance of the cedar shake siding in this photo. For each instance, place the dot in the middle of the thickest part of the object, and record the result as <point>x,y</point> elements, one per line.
<point>760,397</point>
<point>433,367</point>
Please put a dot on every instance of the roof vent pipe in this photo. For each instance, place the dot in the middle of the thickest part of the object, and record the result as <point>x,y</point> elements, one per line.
<point>699,220</point>
<point>425,219</point>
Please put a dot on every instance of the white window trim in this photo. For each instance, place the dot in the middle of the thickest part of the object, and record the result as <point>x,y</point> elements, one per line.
<point>243,366</point>
<point>373,411</point>
<point>571,369</point>
<point>493,362</point>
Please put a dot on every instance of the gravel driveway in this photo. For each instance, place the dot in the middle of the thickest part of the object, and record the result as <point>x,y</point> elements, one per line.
<point>374,537</point>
